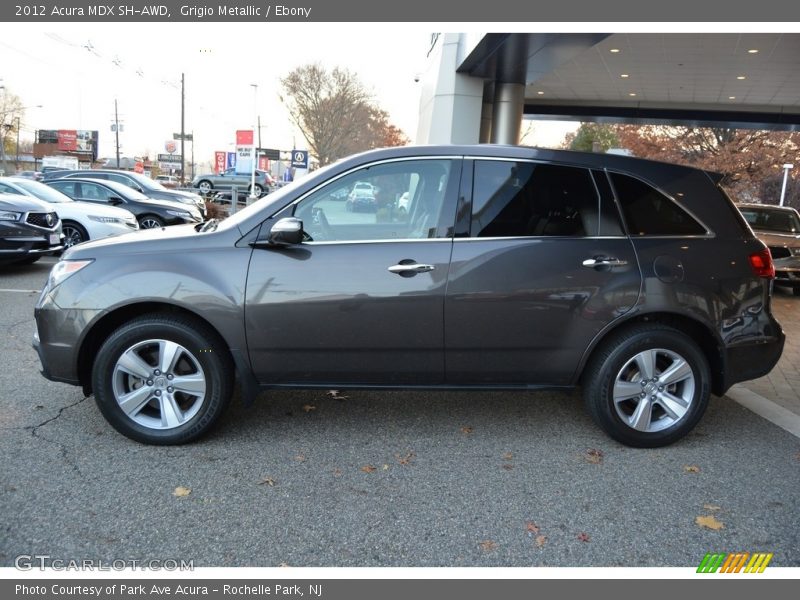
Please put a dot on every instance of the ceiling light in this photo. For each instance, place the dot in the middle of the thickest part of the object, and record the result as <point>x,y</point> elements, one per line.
<point>753,51</point>
<point>632,94</point>
<point>614,50</point>
<point>540,93</point>
<point>741,77</point>
<point>624,75</point>
<point>731,97</point>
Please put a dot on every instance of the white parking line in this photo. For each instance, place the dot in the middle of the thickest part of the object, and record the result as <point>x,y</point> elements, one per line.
<point>20,291</point>
<point>782,417</point>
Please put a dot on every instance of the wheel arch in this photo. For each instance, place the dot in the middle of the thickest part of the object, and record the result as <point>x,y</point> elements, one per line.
<point>698,331</point>
<point>108,323</point>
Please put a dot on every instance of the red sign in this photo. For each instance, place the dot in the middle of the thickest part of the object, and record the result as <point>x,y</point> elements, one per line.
<point>244,137</point>
<point>263,163</point>
<point>219,161</point>
<point>138,167</point>
<point>67,139</point>
<point>170,146</point>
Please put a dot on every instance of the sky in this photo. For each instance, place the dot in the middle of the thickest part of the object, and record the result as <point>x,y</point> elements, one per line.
<point>76,71</point>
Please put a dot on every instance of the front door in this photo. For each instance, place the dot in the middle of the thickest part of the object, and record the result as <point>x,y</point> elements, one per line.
<point>362,299</point>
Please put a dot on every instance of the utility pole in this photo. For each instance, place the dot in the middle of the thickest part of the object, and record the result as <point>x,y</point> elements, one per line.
<point>259,132</point>
<point>116,130</point>
<point>16,159</point>
<point>192,155</point>
<point>183,136</point>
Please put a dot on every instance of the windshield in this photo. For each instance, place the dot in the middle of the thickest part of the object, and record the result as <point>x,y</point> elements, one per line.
<point>43,192</point>
<point>772,219</point>
<point>145,182</point>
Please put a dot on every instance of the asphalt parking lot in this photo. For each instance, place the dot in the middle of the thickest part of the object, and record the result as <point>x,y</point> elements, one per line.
<point>381,479</point>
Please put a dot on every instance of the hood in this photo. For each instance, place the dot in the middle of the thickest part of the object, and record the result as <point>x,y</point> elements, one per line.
<point>66,209</point>
<point>770,238</point>
<point>20,203</point>
<point>161,240</point>
<point>170,204</point>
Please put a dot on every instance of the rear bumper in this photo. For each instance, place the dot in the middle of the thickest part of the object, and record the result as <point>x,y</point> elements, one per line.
<point>751,361</point>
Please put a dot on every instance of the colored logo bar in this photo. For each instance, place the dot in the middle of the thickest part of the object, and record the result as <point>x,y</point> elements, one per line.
<point>735,562</point>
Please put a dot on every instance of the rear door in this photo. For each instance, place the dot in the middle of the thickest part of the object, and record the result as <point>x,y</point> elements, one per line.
<point>542,268</point>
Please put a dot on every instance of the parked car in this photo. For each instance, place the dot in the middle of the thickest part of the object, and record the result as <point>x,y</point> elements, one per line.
<point>168,181</point>
<point>35,175</point>
<point>361,198</point>
<point>779,228</point>
<point>149,213</point>
<point>140,183</point>
<point>80,221</point>
<point>514,268</point>
<point>29,229</point>
<point>227,179</point>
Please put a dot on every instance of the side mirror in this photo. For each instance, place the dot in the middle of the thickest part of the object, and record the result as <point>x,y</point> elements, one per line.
<point>114,201</point>
<point>286,232</point>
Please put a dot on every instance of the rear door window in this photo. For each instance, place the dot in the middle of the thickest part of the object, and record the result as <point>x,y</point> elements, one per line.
<point>523,199</point>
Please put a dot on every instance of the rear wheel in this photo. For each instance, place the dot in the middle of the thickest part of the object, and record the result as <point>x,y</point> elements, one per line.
<point>162,379</point>
<point>205,187</point>
<point>257,190</point>
<point>647,386</point>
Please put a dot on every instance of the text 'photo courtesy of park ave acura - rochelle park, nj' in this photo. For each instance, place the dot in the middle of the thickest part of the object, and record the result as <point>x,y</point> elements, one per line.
<point>503,305</point>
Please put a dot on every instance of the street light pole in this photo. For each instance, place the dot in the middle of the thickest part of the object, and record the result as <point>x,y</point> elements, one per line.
<point>786,168</point>
<point>16,157</point>
<point>254,156</point>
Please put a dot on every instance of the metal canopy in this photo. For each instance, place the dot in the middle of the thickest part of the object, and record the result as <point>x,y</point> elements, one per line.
<point>749,80</point>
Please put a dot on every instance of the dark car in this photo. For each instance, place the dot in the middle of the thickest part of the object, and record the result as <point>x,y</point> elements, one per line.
<point>146,186</point>
<point>209,182</point>
<point>29,229</point>
<point>508,268</point>
<point>148,212</point>
<point>779,228</point>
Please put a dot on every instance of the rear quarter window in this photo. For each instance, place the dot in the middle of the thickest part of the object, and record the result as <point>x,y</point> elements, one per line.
<point>649,212</point>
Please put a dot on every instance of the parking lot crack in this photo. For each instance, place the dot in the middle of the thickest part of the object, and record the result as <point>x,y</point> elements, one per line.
<point>62,448</point>
<point>34,428</point>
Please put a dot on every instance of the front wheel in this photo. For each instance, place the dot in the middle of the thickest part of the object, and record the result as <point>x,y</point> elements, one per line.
<point>162,379</point>
<point>151,222</point>
<point>205,187</point>
<point>648,386</point>
<point>74,233</point>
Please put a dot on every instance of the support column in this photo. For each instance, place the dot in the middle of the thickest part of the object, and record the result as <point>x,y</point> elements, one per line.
<point>509,104</point>
<point>485,135</point>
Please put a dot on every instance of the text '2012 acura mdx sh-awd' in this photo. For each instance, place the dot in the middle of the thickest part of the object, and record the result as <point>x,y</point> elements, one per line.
<point>506,268</point>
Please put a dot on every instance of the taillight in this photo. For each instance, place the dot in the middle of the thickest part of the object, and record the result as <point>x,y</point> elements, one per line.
<point>761,262</point>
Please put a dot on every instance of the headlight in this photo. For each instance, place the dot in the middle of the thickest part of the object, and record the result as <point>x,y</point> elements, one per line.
<point>180,213</point>
<point>100,219</point>
<point>795,251</point>
<point>64,269</point>
<point>8,215</point>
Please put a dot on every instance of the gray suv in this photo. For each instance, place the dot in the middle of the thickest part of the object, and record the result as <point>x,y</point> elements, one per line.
<point>481,267</point>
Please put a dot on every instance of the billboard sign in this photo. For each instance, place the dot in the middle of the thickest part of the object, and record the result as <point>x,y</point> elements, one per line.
<point>67,139</point>
<point>244,137</point>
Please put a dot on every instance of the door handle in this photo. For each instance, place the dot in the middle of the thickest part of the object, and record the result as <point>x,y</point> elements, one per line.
<point>409,268</point>
<point>602,261</point>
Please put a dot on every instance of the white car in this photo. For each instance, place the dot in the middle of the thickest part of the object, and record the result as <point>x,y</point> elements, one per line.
<point>81,221</point>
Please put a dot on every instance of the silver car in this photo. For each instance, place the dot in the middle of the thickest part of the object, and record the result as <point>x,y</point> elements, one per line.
<point>779,228</point>
<point>208,182</point>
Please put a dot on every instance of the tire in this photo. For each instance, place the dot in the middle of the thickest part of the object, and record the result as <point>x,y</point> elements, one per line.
<point>137,357</point>
<point>675,391</point>
<point>257,191</point>
<point>205,187</point>
<point>150,222</point>
<point>796,291</point>
<point>74,233</point>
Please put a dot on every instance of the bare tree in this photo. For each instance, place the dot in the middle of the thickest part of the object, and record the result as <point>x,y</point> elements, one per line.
<point>335,113</point>
<point>11,113</point>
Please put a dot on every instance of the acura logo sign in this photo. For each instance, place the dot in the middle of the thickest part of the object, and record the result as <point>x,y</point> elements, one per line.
<point>49,219</point>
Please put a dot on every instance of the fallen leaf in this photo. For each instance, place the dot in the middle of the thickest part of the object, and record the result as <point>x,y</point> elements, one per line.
<point>181,491</point>
<point>531,527</point>
<point>466,430</point>
<point>283,565</point>
<point>301,458</point>
<point>711,507</point>
<point>268,481</point>
<point>337,472</point>
<point>405,460</point>
<point>583,536</point>
<point>309,407</point>
<point>508,467</point>
<point>594,456</point>
<point>508,456</point>
<point>368,469</point>
<point>336,395</point>
<point>488,545</point>
<point>385,467</point>
<point>709,522</point>
<point>796,456</point>
<point>691,468</point>
<point>541,540</point>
